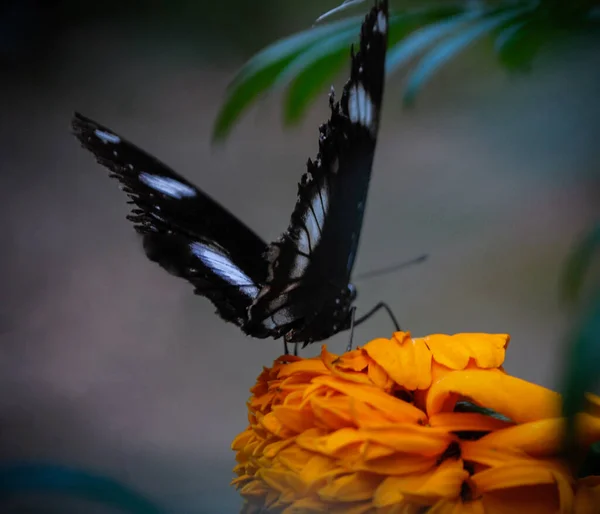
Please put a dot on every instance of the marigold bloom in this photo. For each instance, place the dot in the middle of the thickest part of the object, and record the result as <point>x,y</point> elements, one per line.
<point>383,429</point>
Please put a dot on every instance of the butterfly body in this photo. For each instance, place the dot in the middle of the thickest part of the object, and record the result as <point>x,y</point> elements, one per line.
<point>297,287</point>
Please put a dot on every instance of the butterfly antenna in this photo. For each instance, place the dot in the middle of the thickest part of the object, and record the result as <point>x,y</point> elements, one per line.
<point>390,269</point>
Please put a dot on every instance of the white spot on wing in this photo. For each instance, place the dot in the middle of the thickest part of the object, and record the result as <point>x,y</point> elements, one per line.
<point>300,264</point>
<point>167,185</point>
<point>107,137</point>
<point>283,316</point>
<point>360,107</point>
<point>269,323</point>
<point>320,204</point>
<point>303,242</point>
<point>313,228</point>
<point>220,264</point>
<point>353,111</point>
<point>361,93</point>
<point>368,111</point>
<point>314,219</point>
<point>381,23</point>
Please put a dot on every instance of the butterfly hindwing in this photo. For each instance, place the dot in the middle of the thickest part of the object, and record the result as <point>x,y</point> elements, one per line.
<point>308,290</point>
<point>184,230</point>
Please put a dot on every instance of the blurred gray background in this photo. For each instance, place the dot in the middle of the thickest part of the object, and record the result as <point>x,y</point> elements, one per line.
<point>109,363</point>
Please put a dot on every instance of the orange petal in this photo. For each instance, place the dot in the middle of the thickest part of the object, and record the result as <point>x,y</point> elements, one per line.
<point>516,474</point>
<point>471,451</point>
<point>537,438</point>
<point>241,481</point>
<point>467,422</point>
<point>242,440</point>
<point>444,481</point>
<point>271,423</point>
<point>282,480</point>
<point>447,352</point>
<point>366,416</point>
<point>408,438</point>
<point>295,397</point>
<point>350,488</point>
<point>273,448</point>
<point>294,418</point>
<point>332,413</point>
<point>541,438</point>
<point>408,363</point>
<point>293,458</point>
<point>517,399</point>
<point>370,450</point>
<point>394,408</point>
<point>356,360</point>
<point>328,444</point>
<point>438,371</point>
<point>397,464</point>
<point>487,350</point>
<point>379,376</point>
<point>261,403</point>
<point>306,367</point>
<point>332,363</point>
<point>254,489</point>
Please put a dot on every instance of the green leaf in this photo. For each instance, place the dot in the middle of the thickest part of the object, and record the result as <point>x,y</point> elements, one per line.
<point>260,72</point>
<point>424,37</point>
<point>333,45</point>
<point>583,364</point>
<point>578,264</point>
<point>306,56</point>
<point>310,72</point>
<point>309,84</point>
<point>36,477</point>
<point>518,44</point>
<point>451,46</point>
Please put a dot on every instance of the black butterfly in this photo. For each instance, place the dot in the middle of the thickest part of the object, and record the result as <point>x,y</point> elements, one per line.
<point>298,287</point>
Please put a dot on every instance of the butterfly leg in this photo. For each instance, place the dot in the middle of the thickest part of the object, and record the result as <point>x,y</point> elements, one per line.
<point>379,306</point>
<point>296,350</point>
<point>352,325</point>
<point>286,350</point>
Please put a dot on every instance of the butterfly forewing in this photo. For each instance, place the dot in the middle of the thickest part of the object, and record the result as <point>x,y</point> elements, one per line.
<point>297,287</point>
<point>307,290</point>
<point>184,230</point>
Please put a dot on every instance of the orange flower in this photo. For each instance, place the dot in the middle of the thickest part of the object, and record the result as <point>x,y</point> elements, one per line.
<point>403,426</point>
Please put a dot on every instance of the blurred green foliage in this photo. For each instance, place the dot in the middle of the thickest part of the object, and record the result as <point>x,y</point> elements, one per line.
<point>55,479</point>
<point>429,33</point>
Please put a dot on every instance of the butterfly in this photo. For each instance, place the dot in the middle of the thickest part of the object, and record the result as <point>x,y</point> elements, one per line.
<point>297,287</point>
